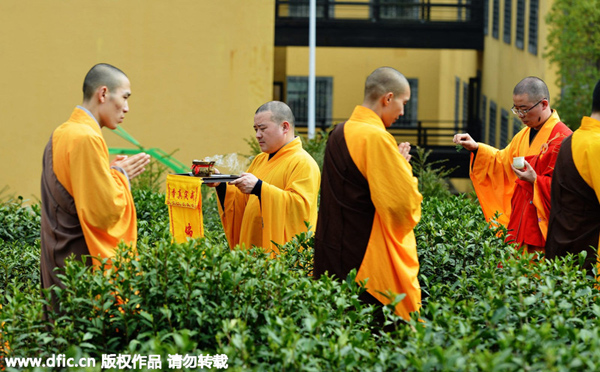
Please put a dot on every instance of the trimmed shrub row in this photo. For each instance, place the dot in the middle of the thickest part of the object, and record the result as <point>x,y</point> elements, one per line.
<point>486,307</point>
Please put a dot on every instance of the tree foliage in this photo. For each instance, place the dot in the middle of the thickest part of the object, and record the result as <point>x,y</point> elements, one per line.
<point>574,47</point>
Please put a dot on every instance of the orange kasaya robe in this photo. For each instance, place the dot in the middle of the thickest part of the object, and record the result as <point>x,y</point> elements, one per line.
<point>575,216</point>
<point>370,204</point>
<point>289,192</point>
<point>87,206</point>
<point>524,207</point>
<point>586,154</point>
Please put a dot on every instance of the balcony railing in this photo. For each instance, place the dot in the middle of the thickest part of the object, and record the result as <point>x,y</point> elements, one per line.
<point>460,11</point>
<point>444,24</point>
<point>422,133</point>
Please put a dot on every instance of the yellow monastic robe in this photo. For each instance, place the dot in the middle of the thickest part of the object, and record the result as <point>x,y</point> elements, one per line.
<point>102,196</point>
<point>290,187</point>
<point>494,180</point>
<point>390,261</point>
<point>586,153</point>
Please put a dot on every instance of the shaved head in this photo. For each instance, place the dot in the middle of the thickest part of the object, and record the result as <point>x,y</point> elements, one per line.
<point>534,87</point>
<point>382,81</point>
<point>102,74</point>
<point>280,112</point>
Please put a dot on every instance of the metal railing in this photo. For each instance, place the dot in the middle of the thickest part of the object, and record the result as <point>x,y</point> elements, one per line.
<point>383,10</point>
<point>423,133</point>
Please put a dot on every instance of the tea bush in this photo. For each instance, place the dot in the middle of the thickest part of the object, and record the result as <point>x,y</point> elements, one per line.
<point>486,307</point>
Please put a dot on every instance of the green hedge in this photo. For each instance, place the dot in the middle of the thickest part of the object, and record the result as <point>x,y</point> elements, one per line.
<point>485,306</point>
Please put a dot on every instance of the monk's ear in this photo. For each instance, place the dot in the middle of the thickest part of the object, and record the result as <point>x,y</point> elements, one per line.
<point>387,98</point>
<point>286,126</point>
<point>102,93</point>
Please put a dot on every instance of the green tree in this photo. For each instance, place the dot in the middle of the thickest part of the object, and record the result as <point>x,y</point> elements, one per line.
<point>574,47</point>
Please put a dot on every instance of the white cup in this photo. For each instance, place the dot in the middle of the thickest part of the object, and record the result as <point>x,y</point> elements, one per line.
<point>519,162</point>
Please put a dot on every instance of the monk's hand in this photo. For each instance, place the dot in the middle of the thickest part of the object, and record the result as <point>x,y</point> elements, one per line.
<point>404,149</point>
<point>526,174</point>
<point>246,182</point>
<point>132,165</point>
<point>214,184</point>
<point>466,141</point>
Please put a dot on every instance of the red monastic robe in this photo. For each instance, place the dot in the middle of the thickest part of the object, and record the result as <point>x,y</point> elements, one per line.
<point>524,207</point>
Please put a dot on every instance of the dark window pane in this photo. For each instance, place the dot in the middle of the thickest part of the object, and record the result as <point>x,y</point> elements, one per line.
<point>399,9</point>
<point>301,9</point>
<point>533,27</point>
<point>483,117</point>
<point>507,20</point>
<point>411,108</point>
<point>520,34</point>
<point>496,19</point>
<point>456,103</point>
<point>493,114</point>
<point>297,99</point>
<point>486,15</point>
<point>503,128</point>
<point>465,104</point>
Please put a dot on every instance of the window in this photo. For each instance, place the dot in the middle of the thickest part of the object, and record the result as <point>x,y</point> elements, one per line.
<point>297,99</point>
<point>503,128</point>
<point>412,106</point>
<point>468,10</point>
<point>516,126</point>
<point>456,104</point>
<point>486,16</point>
<point>399,9</point>
<point>533,26</point>
<point>301,8</point>
<point>465,104</point>
<point>496,19</point>
<point>520,34</point>
<point>483,111</point>
<point>507,20</point>
<point>493,112</point>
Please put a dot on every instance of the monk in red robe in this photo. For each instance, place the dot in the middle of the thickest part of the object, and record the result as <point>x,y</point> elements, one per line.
<point>521,196</point>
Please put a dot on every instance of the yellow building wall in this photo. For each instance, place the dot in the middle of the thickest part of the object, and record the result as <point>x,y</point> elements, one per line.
<point>504,65</point>
<point>198,71</point>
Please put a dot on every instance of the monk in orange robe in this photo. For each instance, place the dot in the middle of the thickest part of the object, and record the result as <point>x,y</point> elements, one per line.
<point>370,202</point>
<point>273,199</point>
<point>87,207</point>
<point>575,214</point>
<point>521,196</point>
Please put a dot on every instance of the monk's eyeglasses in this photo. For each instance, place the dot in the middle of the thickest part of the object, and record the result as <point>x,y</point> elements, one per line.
<point>520,112</point>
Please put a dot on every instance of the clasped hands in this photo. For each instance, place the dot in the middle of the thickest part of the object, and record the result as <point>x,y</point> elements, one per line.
<point>132,165</point>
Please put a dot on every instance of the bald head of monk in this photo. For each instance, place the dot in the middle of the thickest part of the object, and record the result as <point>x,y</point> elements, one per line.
<point>531,101</point>
<point>106,90</point>
<point>386,93</point>
<point>274,126</point>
